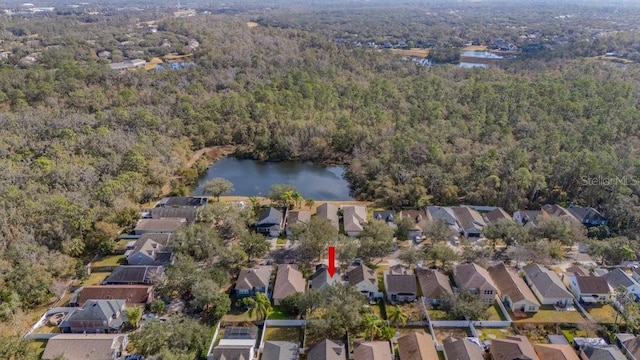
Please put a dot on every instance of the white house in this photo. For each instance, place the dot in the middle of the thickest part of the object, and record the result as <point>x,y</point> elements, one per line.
<point>617,277</point>
<point>589,288</point>
<point>365,280</point>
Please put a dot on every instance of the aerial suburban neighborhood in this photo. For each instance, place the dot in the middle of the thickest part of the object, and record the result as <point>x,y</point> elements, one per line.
<point>421,289</point>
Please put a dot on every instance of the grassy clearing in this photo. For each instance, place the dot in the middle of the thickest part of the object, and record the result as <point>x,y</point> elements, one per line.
<point>605,314</point>
<point>39,345</point>
<point>240,317</point>
<point>113,260</point>
<point>435,315</point>
<point>411,52</point>
<point>95,278</point>
<point>573,333</point>
<point>490,333</point>
<point>277,314</point>
<point>547,314</point>
<point>282,334</point>
<point>495,314</point>
<point>281,241</point>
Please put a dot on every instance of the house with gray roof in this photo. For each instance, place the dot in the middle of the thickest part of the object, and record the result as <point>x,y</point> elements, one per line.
<point>440,213</point>
<point>365,280</point>
<point>588,216</point>
<point>96,316</point>
<point>618,278</point>
<point>159,226</point>
<point>280,350</point>
<point>475,278</point>
<point>321,278</point>
<point>547,286</point>
<point>85,346</point>
<point>327,350</point>
<point>288,282</point>
<point>329,212</point>
<point>400,284</point>
<point>629,344</point>
<point>524,217</point>
<point>470,221</point>
<point>134,274</point>
<point>237,343</point>
<point>462,349</point>
<point>388,216</point>
<point>182,201</point>
<point>149,252</point>
<point>354,218</point>
<point>270,222</point>
<point>608,352</point>
<point>189,213</point>
<point>253,280</point>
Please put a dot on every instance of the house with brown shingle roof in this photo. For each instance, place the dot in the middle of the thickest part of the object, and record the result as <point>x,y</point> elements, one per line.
<point>420,222</point>
<point>475,278</point>
<point>513,291</point>
<point>497,214</point>
<point>511,348</point>
<point>363,279</point>
<point>462,349</point>
<point>134,295</point>
<point>288,282</point>
<point>471,222</point>
<point>589,288</point>
<point>416,346</point>
<point>373,350</point>
<point>558,211</point>
<point>253,280</point>
<point>555,352</point>
<point>400,284</point>
<point>85,346</point>
<point>297,217</point>
<point>327,350</point>
<point>434,285</point>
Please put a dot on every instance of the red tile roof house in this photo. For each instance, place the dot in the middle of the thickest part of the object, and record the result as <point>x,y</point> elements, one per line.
<point>513,291</point>
<point>476,279</point>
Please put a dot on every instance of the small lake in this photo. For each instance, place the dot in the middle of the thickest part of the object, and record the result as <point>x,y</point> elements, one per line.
<point>254,178</point>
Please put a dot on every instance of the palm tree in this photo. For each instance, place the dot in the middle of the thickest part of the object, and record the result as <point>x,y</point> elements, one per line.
<point>397,316</point>
<point>372,325</point>
<point>134,314</point>
<point>258,305</point>
<point>309,202</point>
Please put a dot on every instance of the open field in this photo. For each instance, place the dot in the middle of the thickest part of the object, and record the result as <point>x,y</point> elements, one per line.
<point>475,48</point>
<point>605,314</point>
<point>491,333</point>
<point>547,314</point>
<point>411,52</point>
<point>282,334</point>
<point>112,260</point>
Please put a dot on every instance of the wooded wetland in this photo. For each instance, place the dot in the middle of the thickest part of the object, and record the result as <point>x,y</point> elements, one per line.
<point>83,147</point>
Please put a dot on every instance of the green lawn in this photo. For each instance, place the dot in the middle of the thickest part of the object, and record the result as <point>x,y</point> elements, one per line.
<point>238,317</point>
<point>604,314</point>
<point>277,314</point>
<point>573,333</point>
<point>39,345</point>
<point>490,333</point>
<point>547,314</point>
<point>113,260</point>
<point>495,314</point>
<point>282,334</point>
<point>281,241</point>
<point>435,315</point>
<point>95,278</point>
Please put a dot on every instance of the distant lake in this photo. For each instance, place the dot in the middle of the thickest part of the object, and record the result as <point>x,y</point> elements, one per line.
<point>254,178</point>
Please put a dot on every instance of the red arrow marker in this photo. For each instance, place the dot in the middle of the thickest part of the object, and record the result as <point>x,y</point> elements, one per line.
<point>332,260</point>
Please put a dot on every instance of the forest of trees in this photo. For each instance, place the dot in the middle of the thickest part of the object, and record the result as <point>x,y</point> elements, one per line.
<point>82,148</point>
